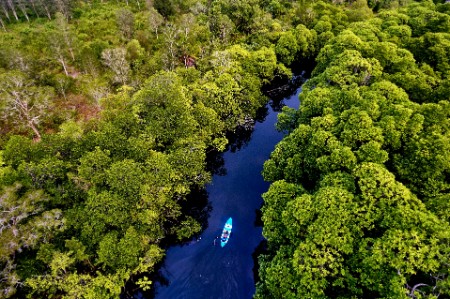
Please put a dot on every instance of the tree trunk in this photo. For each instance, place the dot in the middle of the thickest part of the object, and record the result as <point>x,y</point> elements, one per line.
<point>23,9</point>
<point>72,55</point>
<point>11,5</point>
<point>6,12</point>
<point>411,294</point>
<point>3,24</point>
<point>34,8</point>
<point>24,110</point>
<point>68,41</point>
<point>49,15</point>
<point>62,8</point>
<point>61,60</point>
<point>35,130</point>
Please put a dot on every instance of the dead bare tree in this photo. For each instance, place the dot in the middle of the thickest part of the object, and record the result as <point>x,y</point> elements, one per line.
<point>116,60</point>
<point>47,11</point>
<point>23,9</point>
<point>5,10</point>
<point>170,34</point>
<point>13,8</point>
<point>98,93</point>
<point>25,103</point>
<point>155,20</point>
<point>125,22</point>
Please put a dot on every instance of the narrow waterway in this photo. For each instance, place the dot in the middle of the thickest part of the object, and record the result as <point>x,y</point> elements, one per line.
<point>202,269</point>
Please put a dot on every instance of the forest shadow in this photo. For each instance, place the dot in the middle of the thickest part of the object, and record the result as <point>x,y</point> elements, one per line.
<point>259,250</point>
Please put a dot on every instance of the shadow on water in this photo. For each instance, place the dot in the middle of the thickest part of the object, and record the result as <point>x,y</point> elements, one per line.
<point>197,206</point>
<point>260,249</point>
<point>279,92</point>
<point>237,140</point>
<point>215,163</point>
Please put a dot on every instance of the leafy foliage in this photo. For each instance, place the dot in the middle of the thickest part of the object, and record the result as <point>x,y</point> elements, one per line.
<point>123,105</point>
<point>110,107</point>
<point>353,207</point>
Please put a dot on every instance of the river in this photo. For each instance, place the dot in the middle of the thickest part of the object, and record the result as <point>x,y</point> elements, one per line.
<point>202,269</point>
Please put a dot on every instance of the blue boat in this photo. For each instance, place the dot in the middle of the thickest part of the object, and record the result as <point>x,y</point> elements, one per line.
<point>226,232</point>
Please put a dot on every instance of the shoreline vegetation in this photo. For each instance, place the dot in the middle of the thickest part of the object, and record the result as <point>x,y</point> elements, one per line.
<point>109,108</point>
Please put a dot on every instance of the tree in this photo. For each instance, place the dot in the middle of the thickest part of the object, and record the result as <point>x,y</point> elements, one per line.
<point>125,22</point>
<point>23,9</point>
<point>170,57</point>
<point>11,5</point>
<point>116,60</point>
<point>2,23</point>
<point>24,224</point>
<point>155,20</point>
<point>63,7</point>
<point>47,8</point>
<point>65,34</point>
<point>367,152</point>
<point>26,104</point>
<point>287,48</point>
<point>58,48</point>
<point>166,109</point>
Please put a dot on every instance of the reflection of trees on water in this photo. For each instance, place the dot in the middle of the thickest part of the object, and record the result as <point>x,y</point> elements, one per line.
<point>215,163</point>
<point>279,93</point>
<point>197,206</point>
<point>239,138</point>
<point>259,250</point>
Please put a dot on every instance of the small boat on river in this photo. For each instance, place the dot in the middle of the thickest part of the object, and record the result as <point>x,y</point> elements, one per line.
<point>226,232</point>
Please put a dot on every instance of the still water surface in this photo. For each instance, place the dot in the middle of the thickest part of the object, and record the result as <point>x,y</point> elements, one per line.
<point>202,269</point>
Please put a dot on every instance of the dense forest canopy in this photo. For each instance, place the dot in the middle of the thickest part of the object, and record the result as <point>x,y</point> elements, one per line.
<point>108,111</point>
<point>109,108</point>
<point>359,204</point>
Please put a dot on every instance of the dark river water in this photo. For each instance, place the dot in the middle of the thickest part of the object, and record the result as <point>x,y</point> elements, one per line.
<point>202,269</point>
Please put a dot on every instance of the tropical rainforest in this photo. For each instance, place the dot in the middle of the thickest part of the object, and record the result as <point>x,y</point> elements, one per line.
<point>108,110</point>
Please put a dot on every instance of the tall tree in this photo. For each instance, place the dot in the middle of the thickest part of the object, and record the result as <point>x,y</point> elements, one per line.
<point>12,6</point>
<point>46,6</point>
<point>155,20</point>
<point>5,10</point>
<point>171,34</point>
<point>23,8</point>
<point>116,60</point>
<point>65,33</point>
<point>25,103</point>
<point>125,22</point>
<point>58,48</point>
